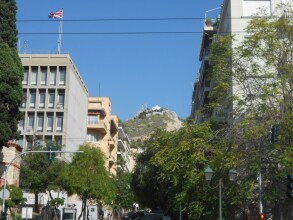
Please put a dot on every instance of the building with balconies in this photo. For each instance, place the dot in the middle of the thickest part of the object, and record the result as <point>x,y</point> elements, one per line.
<point>202,86</point>
<point>102,130</point>
<point>54,102</point>
<point>125,161</point>
<point>232,20</point>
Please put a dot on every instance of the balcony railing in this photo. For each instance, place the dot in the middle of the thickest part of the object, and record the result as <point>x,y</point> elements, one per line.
<point>99,126</point>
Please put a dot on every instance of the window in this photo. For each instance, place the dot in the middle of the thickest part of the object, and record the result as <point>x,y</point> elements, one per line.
<point>30,124</point>
<point>51,100</point>
<point>62,76</point>
<point>92,137</point>
<point>53,72</point>
<point>29,142</point>
<point>32,99</point>
<point>50,122</point>
<point>58,140</point>
<point>25,75</point>
<point>20,141</point>
<point>92,119</point>
<point>42,99</point>
<point>39,141</point>
<point>59,123</point>
<point>23,103</point>
<point>48,139</point>
<point>61,97</point>
<point>34,76</point>
<point>43,75</point>
<point>40,122</point>
<point>252,7</point>
<point>21,124</point>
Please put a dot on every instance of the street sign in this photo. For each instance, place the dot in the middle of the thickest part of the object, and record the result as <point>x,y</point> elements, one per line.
<point>7,194</point>
<point>27,212</point>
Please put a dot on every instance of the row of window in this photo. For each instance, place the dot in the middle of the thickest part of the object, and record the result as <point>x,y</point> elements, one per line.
<point>43,75</point>
<point>28,141</point>
<point>42,122</point>
<point>42,98</point>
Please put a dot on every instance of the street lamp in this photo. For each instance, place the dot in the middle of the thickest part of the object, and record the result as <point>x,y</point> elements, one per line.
<point>208,172</point>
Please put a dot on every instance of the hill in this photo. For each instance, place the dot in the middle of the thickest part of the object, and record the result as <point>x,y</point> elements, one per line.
<point>146,121</point>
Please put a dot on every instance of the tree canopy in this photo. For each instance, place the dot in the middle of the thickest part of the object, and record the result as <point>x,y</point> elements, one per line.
<point>11,75</point>
<point>8,31</point>
<point>87,177</point>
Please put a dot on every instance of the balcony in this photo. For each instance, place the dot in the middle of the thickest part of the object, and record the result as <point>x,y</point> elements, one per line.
<point>111,143</point>
<point>114,127</point>
<point>111,159</point>
<point>97,106</point>
<point>99,126</point>
<point>121,145</point>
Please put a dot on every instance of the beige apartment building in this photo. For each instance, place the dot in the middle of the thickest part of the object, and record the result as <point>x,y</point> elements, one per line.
<point>102,129</point>
<point>54,102</point>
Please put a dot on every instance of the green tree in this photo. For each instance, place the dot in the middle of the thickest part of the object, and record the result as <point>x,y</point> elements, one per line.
<point>260,71</point>
<point>125,196</point>
<point>87,177</point>
<point>8,31</point>
<point>11,74</point>
<point>40,175</point>
<point>16,198</point>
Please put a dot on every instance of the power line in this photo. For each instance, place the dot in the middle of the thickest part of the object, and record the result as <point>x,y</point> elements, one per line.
<point>107,19</point>
<point>124,33</point>
<point>135,19</point>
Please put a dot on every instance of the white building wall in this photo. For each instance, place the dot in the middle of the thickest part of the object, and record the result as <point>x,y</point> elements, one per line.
<point>76,121</point>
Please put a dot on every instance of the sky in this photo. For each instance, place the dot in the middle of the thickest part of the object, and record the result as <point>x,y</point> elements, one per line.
<point>135,70</point>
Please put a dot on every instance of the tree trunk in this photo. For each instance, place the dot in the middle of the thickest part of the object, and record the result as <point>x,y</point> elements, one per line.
<point>36,207</point>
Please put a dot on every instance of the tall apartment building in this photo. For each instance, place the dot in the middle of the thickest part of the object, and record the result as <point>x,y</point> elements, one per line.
<point>124,154</point>
<point>54,102</point>
<point>233,19</point>
<point>102,129</point>
<point>202,87</point>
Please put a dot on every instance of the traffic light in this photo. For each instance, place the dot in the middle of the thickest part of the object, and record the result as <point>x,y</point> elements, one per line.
<point>275,134</point>
<point>290,186</point>
<point>3,215</point>
<point>262,216</point>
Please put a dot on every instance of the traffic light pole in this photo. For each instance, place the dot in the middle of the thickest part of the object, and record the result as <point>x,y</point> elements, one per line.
<point>19,155</point>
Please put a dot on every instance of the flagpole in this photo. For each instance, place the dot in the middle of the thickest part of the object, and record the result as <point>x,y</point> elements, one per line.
<point>60,34</point>
<point>60,37</point>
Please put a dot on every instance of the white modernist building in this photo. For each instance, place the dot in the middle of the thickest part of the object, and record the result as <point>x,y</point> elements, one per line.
<point>54,102</point>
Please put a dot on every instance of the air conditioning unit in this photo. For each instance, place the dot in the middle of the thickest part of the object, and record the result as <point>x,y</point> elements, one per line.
<point>59,106</point>
<point>29,130</point>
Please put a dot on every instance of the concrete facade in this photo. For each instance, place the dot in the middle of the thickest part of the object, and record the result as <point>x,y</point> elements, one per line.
<point>54,102</point>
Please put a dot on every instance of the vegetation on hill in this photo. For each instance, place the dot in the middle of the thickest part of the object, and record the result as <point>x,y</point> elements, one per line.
<point>147,122</point>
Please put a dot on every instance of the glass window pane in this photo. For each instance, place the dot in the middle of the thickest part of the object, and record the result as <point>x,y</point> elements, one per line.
<point>62,77</point>
<point>50,123</point>
<point>43,75</point>
<point>40,122</point>
<point>25,75</point>
<point>59,123</point>
<point>51,100</point>
<point>42,100</point>
<point>92,119</point>
<point>30,124</point>
<point>32,99</point>
<point>34,76</point>
<point>53,72</point>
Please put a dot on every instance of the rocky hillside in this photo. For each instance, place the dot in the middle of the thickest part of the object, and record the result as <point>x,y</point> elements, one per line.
<point>148,120</point>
